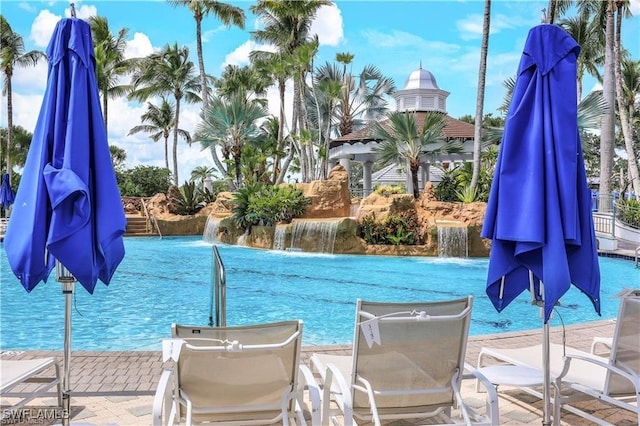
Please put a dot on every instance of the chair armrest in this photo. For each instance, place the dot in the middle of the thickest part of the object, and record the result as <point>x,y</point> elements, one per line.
<point>333,374</point>
<point>162,400</point>
<point>491,400</point>
<point>632,378</point>
<point>314,393</point>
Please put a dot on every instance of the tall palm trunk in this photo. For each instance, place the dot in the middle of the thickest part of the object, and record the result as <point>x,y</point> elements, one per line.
<point>203,76</point>
<point>278,172</point>
<point>9,124</point>
<point>105,105</point>
<point>482,74</point>
<point>166,151</point>
<point>607,133</point>
<point>175,143</point>
<point>622,110</point>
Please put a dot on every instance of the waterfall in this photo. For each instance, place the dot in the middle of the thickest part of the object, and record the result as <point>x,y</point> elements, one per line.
<point>242,239</point>
<point>278,237</point>
<point>452,241</point>
<point>316,235</point>
<point>355,208</point>
<point>211,227</point>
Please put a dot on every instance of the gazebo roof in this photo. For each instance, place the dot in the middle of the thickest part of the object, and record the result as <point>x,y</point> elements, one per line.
<point>454,129</point>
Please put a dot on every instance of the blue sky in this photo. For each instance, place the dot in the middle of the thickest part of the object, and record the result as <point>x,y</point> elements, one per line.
<point>396,36</point>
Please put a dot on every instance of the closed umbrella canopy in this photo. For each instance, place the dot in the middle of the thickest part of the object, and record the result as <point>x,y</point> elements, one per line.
<point>7,195</point>
<point>539,210</point>
<point>68,206</point>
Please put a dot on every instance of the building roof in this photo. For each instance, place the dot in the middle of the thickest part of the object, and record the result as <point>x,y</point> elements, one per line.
<point>454,129</point>
<point>420,79</point>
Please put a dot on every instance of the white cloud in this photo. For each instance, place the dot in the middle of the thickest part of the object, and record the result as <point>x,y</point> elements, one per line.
<point>42,28</point>
<point>139,46</point>
<point>240,56</point>
<point>328,25</point>
<point>31,79</point>
<point>26,6</point>
<point>471,27</point>
<point>635,7</point>
<point>402,39</point>
<point>26,109</point>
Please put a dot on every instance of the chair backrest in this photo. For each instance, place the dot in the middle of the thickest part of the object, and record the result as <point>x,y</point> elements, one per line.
<point>625,349</point>
<point>421,347</point>
<point>228,372</point>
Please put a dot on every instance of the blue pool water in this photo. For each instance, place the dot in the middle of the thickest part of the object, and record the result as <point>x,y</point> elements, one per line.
<point>162,281</point>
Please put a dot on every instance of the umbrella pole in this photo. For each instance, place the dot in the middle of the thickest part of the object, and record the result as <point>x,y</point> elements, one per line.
<point>68,283</point>
<point>546,376</point>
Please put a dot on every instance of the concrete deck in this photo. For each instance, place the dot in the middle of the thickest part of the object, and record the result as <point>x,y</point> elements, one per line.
<point>117,387</point>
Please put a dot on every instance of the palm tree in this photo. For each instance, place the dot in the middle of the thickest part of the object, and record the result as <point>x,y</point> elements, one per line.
<point>402,141</point>
<point>111,64</point>
<point>200,174</point>
<point>628,93</point>
<point>482,74</point>
<point>230,123</point>
<point>328,95</point>
<point>622,101</point>
<point>169,72</point>
<point>287,26</point>
<point>226,13</point>
<point>160,121</point>
<point>12,55</point>
<point>364,97</point>
<point>586,33</point>
<point>277,66</point>
<point>247,82</point>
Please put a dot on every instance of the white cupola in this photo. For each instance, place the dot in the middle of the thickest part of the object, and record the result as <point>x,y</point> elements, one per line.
<point>421,93</point>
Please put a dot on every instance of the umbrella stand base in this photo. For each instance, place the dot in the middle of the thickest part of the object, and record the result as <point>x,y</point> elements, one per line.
<point>66,408</point>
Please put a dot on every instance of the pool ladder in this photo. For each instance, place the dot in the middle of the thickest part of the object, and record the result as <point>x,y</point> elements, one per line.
<point>218,305</point>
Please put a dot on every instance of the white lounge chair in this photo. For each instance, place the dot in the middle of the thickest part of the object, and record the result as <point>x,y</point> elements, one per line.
<point>25,371</point>
<point>407,362</point>
<point>578,374</point>
<point>246,375</point>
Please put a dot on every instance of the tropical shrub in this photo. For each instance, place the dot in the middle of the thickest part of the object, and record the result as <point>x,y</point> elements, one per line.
<point>629,212</point>
<point>187,199</point>
<point>143,181</point>
<point>386,190</point>
<point>396,229</point>
<point>447,188</point>
<point>259,204</point>
<point>468,194</point>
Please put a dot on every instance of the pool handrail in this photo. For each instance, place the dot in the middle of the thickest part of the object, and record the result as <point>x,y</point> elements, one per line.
<point>218,291</point>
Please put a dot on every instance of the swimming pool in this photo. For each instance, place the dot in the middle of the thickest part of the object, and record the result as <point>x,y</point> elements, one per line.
<point>162,281</point>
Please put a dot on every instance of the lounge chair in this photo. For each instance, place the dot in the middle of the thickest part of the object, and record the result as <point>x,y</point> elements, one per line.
<point>246,375</point>
<point>27,371</point>
<point>407,363</point>
<point>578,374</point>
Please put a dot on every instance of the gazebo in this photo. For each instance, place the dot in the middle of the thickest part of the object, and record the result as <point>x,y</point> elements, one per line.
<point>420,95</point>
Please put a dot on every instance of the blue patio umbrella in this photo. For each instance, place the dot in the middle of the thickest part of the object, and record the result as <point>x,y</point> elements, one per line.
<point>68,208</point>
<point>7,195</point>
<point>539,210</point>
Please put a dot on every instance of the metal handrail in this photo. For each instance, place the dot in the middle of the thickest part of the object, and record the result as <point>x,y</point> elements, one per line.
<point>218,291</point>
<point>637,254</point>
<point>154,221</point>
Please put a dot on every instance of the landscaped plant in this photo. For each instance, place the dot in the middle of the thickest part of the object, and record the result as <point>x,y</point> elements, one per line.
<point>259,204</point>
<point>396,229</point>
<point>468,194</point>
<point>143,181</point>
<point>386,190</point>
<point>629,212</point>
<point>187,201</point>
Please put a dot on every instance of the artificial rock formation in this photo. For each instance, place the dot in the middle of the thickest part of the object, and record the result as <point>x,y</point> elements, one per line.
<point>331,202</point>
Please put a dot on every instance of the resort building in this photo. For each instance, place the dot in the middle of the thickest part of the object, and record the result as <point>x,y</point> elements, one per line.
<point>420,95</point>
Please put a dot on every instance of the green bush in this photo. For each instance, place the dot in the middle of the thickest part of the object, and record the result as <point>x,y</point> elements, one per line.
<point>629,212</point>
<point>447,188</point>
<point>396,229</point>
<point>143,181</point>
<point>386,190</point>
<point>259,204</point>
<point>188,200</point>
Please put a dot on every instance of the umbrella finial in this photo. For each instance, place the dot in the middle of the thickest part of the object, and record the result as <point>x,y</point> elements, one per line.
<point>73,9</point>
